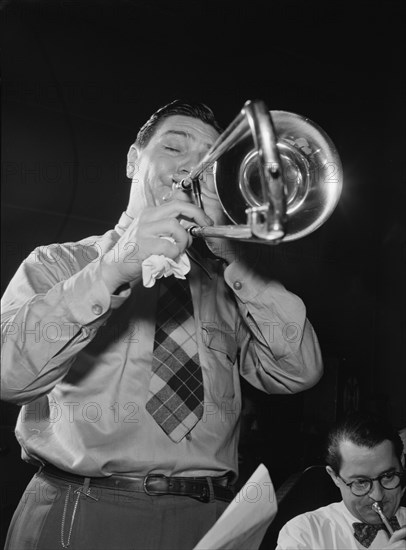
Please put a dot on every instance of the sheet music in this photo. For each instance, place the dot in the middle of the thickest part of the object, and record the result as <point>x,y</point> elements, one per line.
<point>243,524</point>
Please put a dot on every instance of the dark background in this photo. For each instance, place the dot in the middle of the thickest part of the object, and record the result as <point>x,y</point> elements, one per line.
<point>80,78</point>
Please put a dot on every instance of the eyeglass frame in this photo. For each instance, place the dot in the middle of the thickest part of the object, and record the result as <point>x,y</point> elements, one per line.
<point>400,475</point>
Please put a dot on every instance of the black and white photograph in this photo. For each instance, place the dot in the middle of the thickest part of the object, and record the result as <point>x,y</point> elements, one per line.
<point>203,269</point>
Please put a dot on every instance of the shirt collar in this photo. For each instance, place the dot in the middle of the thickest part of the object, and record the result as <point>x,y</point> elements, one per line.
<point>350,517</point>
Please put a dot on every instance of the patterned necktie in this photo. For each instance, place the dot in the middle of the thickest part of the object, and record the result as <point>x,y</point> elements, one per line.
<point>176,393</point>
<point>365,533</point>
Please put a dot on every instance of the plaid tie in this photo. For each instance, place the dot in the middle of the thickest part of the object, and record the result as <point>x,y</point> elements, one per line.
<point>365,533</point>
<point>176,393</point>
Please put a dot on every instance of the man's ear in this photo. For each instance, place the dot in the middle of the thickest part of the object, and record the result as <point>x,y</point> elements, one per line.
<point>333,475</point>
<point>132,157</point>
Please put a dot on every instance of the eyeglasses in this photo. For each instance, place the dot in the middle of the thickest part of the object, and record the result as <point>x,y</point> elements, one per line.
<point>361,487</point>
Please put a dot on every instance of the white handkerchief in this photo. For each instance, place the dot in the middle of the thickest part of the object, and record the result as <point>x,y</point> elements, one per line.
<point>158,265</point>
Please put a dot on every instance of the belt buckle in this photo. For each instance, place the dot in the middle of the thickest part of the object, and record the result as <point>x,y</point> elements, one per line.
<point>207,491</point>
<point>148,491</point>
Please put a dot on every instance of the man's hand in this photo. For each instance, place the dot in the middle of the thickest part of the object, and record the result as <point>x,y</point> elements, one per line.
<point>222,248</point>
<point>229,250</point>
<point>397,540</point>
<point>143,238</point>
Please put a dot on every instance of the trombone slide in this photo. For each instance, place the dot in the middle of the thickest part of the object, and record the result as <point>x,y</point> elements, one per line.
<point>380,513</point>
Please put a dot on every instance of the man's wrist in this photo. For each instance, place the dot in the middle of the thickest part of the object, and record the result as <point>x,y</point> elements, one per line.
<point>109,276</point>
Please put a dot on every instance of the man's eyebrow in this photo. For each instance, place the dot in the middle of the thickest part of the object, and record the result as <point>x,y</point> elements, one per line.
<point>181,133</point>
<point>390,470</point>
<point>184,134</point>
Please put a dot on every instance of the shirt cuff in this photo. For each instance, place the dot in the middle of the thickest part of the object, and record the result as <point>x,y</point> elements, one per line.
<point>87,296</point>
<point>244,282</point>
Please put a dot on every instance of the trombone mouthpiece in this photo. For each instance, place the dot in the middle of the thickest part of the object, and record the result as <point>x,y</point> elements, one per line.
<point>378,510</point>
<point>185,184</point>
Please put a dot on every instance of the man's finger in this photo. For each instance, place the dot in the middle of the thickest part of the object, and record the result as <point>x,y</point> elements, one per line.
<point>177,208</point>
<point>398,535</point>
<point>171,228</point>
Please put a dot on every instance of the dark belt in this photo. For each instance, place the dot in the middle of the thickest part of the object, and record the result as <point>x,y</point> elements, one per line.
<point>205,489</point>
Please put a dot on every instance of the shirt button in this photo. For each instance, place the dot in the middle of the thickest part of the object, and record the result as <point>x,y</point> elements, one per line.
<point>97,309</point>
<point>237,285</point>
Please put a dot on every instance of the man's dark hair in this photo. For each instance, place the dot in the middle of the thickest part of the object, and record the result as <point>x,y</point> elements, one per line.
<point>364,430</point>
<point>177,107</point>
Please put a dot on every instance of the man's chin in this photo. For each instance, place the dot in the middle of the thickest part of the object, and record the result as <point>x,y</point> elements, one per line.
<point>163,194</point>
<point>369,517</point>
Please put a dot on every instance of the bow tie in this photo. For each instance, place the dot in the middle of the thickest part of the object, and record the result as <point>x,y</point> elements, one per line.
<point>366,532</point>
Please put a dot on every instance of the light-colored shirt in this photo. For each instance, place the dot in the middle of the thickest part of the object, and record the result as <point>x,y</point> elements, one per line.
<point>329,528</point>
<point>79,361</point>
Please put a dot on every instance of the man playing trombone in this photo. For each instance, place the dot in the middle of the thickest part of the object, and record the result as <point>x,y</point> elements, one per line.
<point>132,412</point>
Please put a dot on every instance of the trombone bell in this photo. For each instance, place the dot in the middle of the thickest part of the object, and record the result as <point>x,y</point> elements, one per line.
<point>278,176</point>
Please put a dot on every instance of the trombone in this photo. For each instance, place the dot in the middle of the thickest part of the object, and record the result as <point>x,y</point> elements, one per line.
<point>277,175</point>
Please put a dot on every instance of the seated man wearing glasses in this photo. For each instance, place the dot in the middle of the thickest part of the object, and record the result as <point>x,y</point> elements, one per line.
<point>364,457</point>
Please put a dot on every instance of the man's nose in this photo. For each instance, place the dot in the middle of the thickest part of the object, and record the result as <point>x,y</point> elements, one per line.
<point>377,491</point>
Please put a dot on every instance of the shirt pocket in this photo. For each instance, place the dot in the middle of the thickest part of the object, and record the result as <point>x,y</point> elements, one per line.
<point>221,344</point>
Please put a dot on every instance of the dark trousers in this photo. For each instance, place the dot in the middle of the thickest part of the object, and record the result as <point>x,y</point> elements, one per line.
<point>54,513</point>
